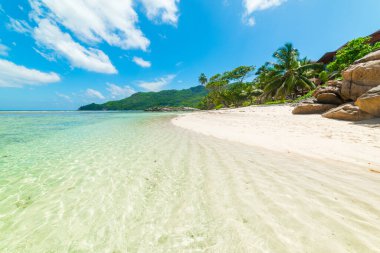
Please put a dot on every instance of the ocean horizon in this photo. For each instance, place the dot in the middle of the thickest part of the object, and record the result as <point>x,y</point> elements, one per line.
<point>172,126</point>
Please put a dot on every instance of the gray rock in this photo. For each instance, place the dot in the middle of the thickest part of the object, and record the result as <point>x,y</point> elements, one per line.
<point>369,57</point>
<point>328,89</point>
<point>370,102</point>
<point>329,98</point>
<point>306,108</point>
<point>352,91</point>
<point>348,112</point>
<point>364,74</point>
<point>171,109</point>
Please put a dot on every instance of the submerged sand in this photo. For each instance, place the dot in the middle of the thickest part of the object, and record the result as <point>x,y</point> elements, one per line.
<point>275,128</point>
<point>136,183</point>
<point>315,186</point>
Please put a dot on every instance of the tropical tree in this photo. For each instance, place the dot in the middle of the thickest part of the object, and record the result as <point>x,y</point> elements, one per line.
<point>263,75</point>
<point>229,89</point>
<point>289,75</point>
<point>203,79</point>
<point>252,92</point>
<point>238,74</point>
<point>216,85</point>
<point>352,51</point>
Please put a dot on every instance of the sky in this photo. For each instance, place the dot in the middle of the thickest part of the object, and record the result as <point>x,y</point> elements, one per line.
<point>61,54</point>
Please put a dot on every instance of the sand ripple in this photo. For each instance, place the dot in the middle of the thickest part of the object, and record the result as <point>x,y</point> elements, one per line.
<point>147,186</point>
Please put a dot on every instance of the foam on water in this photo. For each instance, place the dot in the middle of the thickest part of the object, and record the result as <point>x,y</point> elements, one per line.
<point>132,182</point>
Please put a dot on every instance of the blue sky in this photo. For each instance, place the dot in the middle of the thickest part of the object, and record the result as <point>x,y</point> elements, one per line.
<point>60,54</point>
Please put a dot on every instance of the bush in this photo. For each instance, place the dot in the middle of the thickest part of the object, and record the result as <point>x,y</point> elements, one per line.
<point>304,97</point>
<point>277,102</point>
<point>354,50</point>
<point>247,103</point>
<point>219,107</point>
<point>324,76</point>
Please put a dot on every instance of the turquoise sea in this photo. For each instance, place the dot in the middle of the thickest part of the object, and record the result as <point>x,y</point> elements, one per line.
<point>132,182</point>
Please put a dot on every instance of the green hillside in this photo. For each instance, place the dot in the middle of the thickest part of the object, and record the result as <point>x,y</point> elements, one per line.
<point>144,100</point>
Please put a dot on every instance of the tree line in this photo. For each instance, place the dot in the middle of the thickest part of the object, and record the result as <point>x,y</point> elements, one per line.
<point>287,78</point>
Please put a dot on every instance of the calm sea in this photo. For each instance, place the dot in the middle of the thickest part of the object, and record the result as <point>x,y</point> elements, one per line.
<point>80,182</point>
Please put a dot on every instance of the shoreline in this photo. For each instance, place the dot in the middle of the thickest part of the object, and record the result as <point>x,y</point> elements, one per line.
<point>276,128</point>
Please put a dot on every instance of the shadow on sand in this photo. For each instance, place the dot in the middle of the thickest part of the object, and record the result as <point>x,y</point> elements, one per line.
<point>373,123</point>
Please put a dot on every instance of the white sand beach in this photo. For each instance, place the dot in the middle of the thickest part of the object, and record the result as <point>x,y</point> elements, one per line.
<point>275,128</point>
<point>134,182</point>
<point>316,188</point>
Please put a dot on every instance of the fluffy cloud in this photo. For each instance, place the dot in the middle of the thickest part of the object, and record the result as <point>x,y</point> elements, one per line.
<point>158,84</point>
<point>94,94</point>
<point>50,36</point>
<point>20,26</point>
<point>165,11</point>
<point>112,21</point>
<point>257,5</point>
<point>47,56</point>
<point>65,97</point>
<point>12,75</point>
<point>120,92</point>
<point>3,50</point>
<point>141,62</point>
<point>59,25</point>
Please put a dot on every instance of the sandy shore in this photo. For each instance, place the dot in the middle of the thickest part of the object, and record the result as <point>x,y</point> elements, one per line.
<point>275,128</point>
<point>137,183</point>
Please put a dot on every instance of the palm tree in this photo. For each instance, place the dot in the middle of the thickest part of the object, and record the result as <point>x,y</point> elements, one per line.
<point>203,79</point>
<point>289,74</point>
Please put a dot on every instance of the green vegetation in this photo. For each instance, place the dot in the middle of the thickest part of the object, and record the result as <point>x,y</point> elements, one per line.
<point>282,81</point>
<point>230,89</point>
<point>289,78</point>
<point>304,97</point>
<point>202,79</point>
<point>277,102</point>
<point>354,50</point>
<point>144,100</point>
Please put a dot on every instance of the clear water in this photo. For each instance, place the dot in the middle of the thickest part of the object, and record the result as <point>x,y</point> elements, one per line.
<point>132,182</point>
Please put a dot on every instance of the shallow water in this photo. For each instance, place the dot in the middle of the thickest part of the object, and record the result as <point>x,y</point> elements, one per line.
<point>132,182</point>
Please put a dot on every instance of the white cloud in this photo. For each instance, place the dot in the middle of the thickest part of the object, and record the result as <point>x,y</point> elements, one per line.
<point>120,92</point>
<point>51,37</point>
<point>47,56</point>
<point>162,36</point>
<point>66,97</point>
<point>252,6</point>
<point>165,11</point>
<point>3,50</point>
<point>94,21</point>
<point>15,76</point>
<point>158,84</point>
<point>141,62</point>
<point>259,5</point>
<point>59,25</point>
<point>249,21</point>
<point>20,26</point>
<point>94,94</point>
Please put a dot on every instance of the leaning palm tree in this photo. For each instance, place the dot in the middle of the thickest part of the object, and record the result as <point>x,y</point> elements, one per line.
<point>203,79</point>
<point>289,74</point>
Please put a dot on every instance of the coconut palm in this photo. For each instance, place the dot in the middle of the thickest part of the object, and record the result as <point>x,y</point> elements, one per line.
<point>289,74</point>
<point>203,79</point>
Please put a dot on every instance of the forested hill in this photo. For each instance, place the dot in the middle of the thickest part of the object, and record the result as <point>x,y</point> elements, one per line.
<point>144,100</point>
